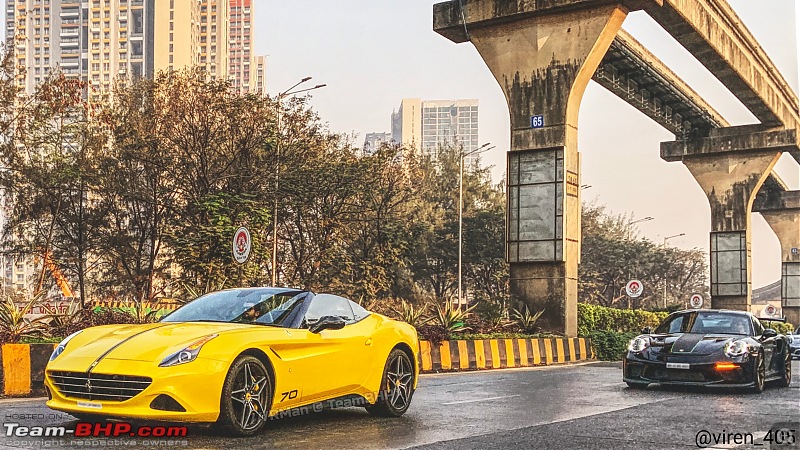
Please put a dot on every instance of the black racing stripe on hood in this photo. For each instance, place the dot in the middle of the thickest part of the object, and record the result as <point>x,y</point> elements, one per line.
<point>100,358</point>
<point>686,343</point>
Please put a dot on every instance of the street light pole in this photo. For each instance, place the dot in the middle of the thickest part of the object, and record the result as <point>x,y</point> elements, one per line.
<point>645,219</point>
<point>483,148</point>
<point>665,271</point>
<point>277,175</point>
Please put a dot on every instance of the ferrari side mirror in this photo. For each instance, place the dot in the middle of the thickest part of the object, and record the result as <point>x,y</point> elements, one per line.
<point>646,330</point>
<point>769,333</point>
<point>327,323</point>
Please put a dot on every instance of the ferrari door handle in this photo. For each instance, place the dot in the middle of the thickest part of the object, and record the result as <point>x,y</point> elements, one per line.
<point>369,342</point>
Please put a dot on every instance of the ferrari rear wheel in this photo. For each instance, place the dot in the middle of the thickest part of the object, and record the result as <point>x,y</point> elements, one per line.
<point>246,397</point>
<point>397,386</point>
<point>759,373</point>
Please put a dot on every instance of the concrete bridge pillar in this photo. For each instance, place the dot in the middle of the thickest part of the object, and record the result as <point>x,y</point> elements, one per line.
<point>730,166</point>
<point>543,64</point>
<point>730,183</point>
<point>781,210</point>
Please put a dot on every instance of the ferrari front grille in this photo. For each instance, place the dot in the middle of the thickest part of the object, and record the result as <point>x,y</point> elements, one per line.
<point>96,386</point>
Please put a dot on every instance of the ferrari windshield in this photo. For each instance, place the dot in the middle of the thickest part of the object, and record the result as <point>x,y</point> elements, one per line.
<point>253,306</point>
<point>706,322</point>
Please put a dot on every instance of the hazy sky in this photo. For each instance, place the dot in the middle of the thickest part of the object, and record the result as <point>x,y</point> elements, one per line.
<point>374,53</point>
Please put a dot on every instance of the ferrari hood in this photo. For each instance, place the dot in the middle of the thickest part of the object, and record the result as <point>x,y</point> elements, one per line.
<point>688,343</point>
<point>147,342</point>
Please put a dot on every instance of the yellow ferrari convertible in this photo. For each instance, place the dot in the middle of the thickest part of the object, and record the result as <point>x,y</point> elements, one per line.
<point>236,358</point>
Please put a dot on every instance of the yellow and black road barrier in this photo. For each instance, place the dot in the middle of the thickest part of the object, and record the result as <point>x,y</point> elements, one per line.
<point>501,353</point>
<point>23,365</point>
<point>23,368</point>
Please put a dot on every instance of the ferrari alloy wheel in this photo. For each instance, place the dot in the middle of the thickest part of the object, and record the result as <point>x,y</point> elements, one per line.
<point>786,379</point>
<point>246,397</point>
<point>397,386</point>
<point>759,373</point>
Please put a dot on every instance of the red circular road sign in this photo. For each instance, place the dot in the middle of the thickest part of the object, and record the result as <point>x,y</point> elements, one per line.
<point>241,245</point>
<point>634,288</point>
<point>696,301</point>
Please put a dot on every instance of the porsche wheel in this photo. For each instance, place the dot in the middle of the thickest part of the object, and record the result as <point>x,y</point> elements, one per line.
<point>786,379</point>
<point>246,397</point>
<point>397,386</point>
<point>759,373</point>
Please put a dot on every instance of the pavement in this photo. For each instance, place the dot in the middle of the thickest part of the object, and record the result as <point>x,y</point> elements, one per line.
<point>580,406</point>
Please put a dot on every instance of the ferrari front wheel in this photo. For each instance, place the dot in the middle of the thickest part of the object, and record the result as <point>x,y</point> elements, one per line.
<point>397,386</point>
<point>246,397</point>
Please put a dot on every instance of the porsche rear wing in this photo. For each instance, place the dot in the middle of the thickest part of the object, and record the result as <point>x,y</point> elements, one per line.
<point>773,319</point>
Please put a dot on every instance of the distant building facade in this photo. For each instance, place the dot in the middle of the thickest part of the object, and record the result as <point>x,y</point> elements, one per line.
<point>373,141</point>
<point>427,125</point>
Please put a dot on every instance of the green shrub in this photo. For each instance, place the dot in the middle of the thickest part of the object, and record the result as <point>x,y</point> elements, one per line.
<point>610,345</point>
<point>780,327</point>
<point>599,318</point>
<point>14,325</point>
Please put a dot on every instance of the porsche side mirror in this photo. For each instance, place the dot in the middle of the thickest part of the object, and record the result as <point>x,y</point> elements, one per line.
<point>646,330</point>
<point>327,323</point>
<point>769,333</point>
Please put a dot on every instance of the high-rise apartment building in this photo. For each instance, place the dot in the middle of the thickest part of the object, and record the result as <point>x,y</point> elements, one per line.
<point>427,125</point>
<point>261,75</point>
<point>242,65</point>
<point>94,40</point>
<point>192,33</point>
<point>101,40</point>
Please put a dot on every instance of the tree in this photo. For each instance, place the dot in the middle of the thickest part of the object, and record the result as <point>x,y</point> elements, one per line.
<point>435,261</point>
<point>52,165</point>
<point>612,255</point>
<point>223,157</point>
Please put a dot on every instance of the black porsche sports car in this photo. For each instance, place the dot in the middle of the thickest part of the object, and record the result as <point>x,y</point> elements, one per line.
<point>709,347</point>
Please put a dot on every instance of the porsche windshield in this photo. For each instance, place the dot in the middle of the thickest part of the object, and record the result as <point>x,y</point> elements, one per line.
<point>706,323</point>
<point>253,306</point>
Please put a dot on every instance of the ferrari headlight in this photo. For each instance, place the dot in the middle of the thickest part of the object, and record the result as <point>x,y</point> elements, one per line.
<point>736,348</point>
<point>187,354</point>
<point>638,344</point>
<point>62,345</point>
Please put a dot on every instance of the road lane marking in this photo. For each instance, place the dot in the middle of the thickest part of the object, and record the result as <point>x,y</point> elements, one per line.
<point>461,402</point>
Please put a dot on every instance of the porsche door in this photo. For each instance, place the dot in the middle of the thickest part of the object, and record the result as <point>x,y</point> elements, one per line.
<point>772,362</point>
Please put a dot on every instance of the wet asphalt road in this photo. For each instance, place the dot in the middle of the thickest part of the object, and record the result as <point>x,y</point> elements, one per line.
<point>577,406</point>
